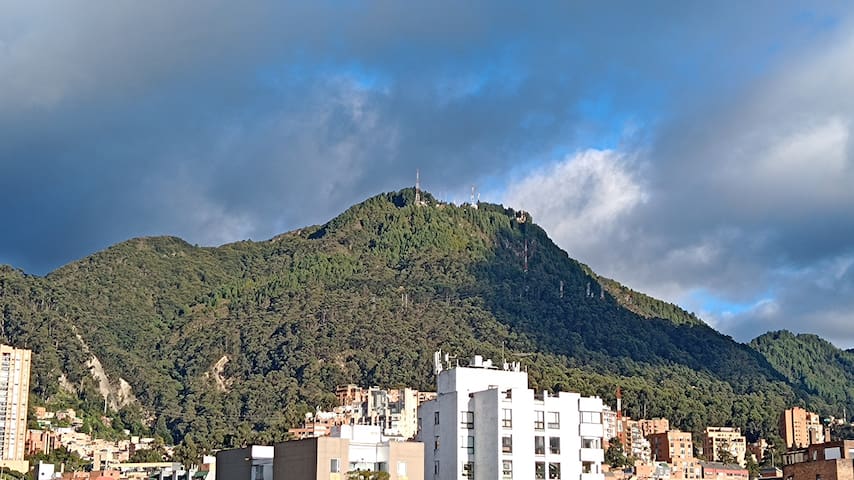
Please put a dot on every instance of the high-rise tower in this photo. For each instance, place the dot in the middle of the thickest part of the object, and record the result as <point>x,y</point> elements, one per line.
<point>14,399</point>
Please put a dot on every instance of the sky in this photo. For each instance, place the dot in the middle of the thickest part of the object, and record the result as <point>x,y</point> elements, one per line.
<point>700,152</point>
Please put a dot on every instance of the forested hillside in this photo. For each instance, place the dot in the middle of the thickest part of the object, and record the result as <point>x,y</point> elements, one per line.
<point>228,345</point>
<point>813,365</point>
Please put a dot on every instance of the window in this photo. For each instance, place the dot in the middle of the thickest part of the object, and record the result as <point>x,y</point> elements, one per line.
<point>554,444</point>
<point>587,467</point>
<point>591,417</point>
<point>435,418</point>
<point>436,442</point>
<point>539,420</point>
<point>259,472</point>
<point>506,418</point>
<point>539,445</point>
<point>334,465</point>
<point>588,442</point>
<point>436,467</point>
<point>507,444</point>
<point>554,470</point>
<point>554,420</point>
<point>468,470</point>
<point>468,444</point>
<point>506,469</point>
<point>467,419</point>
<point>540,470</point>
<point>401,469</point>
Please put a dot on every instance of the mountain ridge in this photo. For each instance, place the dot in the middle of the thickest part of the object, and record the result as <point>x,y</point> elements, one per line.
<point>366,298</point>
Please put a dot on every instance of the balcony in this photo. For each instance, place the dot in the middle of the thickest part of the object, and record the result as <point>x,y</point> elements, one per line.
<point>592,455</point>
<point>592,476</point>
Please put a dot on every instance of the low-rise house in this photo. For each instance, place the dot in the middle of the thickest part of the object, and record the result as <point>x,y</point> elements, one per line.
<point>722,471</point>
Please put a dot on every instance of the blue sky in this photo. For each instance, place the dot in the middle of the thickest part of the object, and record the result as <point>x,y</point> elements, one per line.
<point>699,152</point>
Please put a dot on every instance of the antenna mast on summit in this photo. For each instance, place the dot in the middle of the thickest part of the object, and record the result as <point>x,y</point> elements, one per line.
<point>526,255</point>
<point>417,187</point>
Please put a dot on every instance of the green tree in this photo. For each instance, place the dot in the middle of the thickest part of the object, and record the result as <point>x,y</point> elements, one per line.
<point>60,456</point>
<point>367,475</point>
<point>725,455</point>
<point>615,456</point>
<point>752,466</point>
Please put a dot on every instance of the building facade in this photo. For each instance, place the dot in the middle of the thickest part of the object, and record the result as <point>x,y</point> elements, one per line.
<point>649,426</point>
<point>720,471</point>
<point>609,425</point>
<point>14,400</point>
<point>718,439</point>
<point>249,463</point>
<point>348,449</point>
<point>800,428</point>
<point>676,448</point>
<point>487,424</point>
<point>824,461</point>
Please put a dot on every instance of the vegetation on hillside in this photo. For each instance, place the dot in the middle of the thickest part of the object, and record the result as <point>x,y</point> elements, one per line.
<point>813,365</point>
<point>232,345</point>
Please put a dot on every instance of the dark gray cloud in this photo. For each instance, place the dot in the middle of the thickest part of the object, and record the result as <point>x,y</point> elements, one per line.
<point>225,121</point>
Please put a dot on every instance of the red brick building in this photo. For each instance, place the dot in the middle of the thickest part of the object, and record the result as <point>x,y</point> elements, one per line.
<point>823,461</point>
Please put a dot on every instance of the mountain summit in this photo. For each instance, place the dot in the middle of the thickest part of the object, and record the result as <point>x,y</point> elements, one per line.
<point>228,345</point>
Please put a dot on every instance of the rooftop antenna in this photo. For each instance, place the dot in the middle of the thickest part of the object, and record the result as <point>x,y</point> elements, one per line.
<point>472,200</point>
<point>437,362</point>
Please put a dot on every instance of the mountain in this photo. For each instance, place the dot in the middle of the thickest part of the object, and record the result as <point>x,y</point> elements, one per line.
<point>812,364</point>
<point>223,346</point>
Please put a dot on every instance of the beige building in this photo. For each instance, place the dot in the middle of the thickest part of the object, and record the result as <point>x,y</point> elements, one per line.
<point>350,448</point>
<point>649,426</point>
<point>14,399</point>
<point>676,448</point>
<point>716,439</point>
<point>800,428</point>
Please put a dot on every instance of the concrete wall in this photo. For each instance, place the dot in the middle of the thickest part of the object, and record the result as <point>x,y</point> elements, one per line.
<point>232,464</point>
<point>295,459</point>
<point>250,463</point>
<point>406,461</point>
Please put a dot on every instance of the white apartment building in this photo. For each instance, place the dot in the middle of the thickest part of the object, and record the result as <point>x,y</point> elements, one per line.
<point>487,424</point>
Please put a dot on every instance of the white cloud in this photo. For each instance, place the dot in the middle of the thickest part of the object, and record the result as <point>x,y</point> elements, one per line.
<point>750,201</point>
<point>582,198</point>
